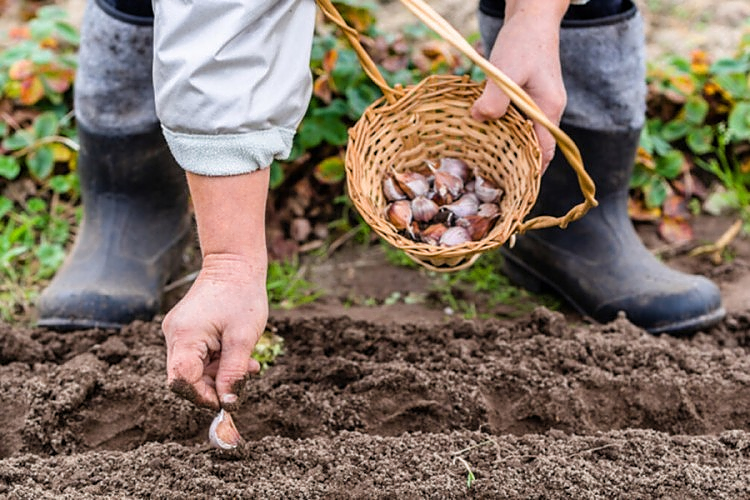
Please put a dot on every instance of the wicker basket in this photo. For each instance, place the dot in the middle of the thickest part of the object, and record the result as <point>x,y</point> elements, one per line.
<point>431,120</point>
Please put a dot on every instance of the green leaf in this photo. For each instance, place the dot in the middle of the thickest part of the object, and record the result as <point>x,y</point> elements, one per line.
<point>41,162</point>
<point>674,130</point>
<point>276,174</point>
<point>700,140</point>
<point>52,12</point>
<point>50,256</point>
<point>736,84</point>
<point>46,124</point>
<point>330,171</point>
<point>67,33</point>
<point>42,56</point>
<point>61,184</point>
<point>36,205</point>
<point>41,28</point>
<point>21,139</point>
<point>640,177</point>
<point>724,66</point>
<point>3,125</point>
<point>670,165</point>
<point>655,193</point>
<point>6,205</point>
<point>696,109</point>
<point>9,167</point>
<point>739,121</point>
<point>359,98</point>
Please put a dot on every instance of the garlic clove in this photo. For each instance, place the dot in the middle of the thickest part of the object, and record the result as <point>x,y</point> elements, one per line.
<point>485,190</point>
<point>455,166</point>
<point>423,209</point>
<point>468,204</point>
<point>476,225</point>
<point>413,184</point>
<point>222,433</point>
<point>432,233</point>
<point>399,214</point>
<point>454,236</point>
<point>448,185</point>
<point>490,210</point>
<point>391,190</point>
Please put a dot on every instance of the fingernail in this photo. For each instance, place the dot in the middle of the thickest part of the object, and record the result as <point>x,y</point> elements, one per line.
<point>229,399</point>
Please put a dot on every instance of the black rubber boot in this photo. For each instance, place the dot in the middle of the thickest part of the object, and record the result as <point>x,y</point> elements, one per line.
<point>136,222</point>
<point>599,264</point>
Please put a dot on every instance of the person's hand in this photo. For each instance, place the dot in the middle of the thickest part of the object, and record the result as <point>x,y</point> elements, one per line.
<point>527,51</point>
<point>212,331</point>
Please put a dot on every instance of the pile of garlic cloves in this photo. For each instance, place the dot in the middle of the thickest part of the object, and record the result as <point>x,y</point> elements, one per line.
<point>450,205</point>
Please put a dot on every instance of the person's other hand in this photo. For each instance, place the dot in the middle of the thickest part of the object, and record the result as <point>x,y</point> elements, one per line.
<point>527,51</point>
<point>212,331</point>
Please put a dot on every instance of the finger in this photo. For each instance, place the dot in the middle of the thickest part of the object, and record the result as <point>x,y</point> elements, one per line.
<point>235,366</point>
<point>547,144</point>
<point>492,104</point>
<point>186,377</point>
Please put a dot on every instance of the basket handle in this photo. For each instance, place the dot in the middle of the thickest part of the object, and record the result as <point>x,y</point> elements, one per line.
<point>517,96</point>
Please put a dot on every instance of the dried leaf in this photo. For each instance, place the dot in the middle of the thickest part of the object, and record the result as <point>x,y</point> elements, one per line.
<point>675,231</point>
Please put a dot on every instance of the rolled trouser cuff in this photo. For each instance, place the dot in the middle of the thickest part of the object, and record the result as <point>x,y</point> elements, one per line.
<point>229,154</point>
<point>603,64</point>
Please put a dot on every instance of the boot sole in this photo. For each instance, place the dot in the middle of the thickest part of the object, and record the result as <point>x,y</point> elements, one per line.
<point>522,275</point>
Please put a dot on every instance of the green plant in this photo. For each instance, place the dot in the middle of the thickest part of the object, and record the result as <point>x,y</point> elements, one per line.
<point>286,286</point>
<point>733,176</point>
<point>269,347</point>
<point>699,114</point>
<point>481,289</point>
<point>39,208</point>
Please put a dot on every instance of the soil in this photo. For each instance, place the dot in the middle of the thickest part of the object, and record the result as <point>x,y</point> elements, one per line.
<point>398,401</point>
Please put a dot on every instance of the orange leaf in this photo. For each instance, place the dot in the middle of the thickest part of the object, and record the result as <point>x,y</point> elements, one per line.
<point>322,89</point>
<point>32,91</point>
<point>639,212</point>
<point>329,60</point>
<point>644,158</point>
<point>20,33</point>
<point>684,84</point>
<point>21,70</point>
<point>49,43</point>
<point>675,231</point>
<point>700,62</point>
<point>674,207</point>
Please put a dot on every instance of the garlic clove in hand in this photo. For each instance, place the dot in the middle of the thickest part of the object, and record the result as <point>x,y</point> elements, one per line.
<point>222,433</point>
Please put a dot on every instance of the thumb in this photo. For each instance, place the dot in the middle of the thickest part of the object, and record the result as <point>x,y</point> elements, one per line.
<point>186,362</point>
<point>492,104</point>
<point>235,366</point>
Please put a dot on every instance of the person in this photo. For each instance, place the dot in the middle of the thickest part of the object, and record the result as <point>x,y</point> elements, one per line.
<point>231,82</point>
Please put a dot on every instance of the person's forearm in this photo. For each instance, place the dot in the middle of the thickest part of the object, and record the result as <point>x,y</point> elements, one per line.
<point>542,10</point>
<point>230,214</point>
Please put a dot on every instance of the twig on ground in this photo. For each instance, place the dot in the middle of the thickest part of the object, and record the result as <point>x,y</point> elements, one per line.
<point>716,249</point>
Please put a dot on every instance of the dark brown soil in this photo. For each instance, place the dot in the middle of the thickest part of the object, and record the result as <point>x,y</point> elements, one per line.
<point>537,407</point>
